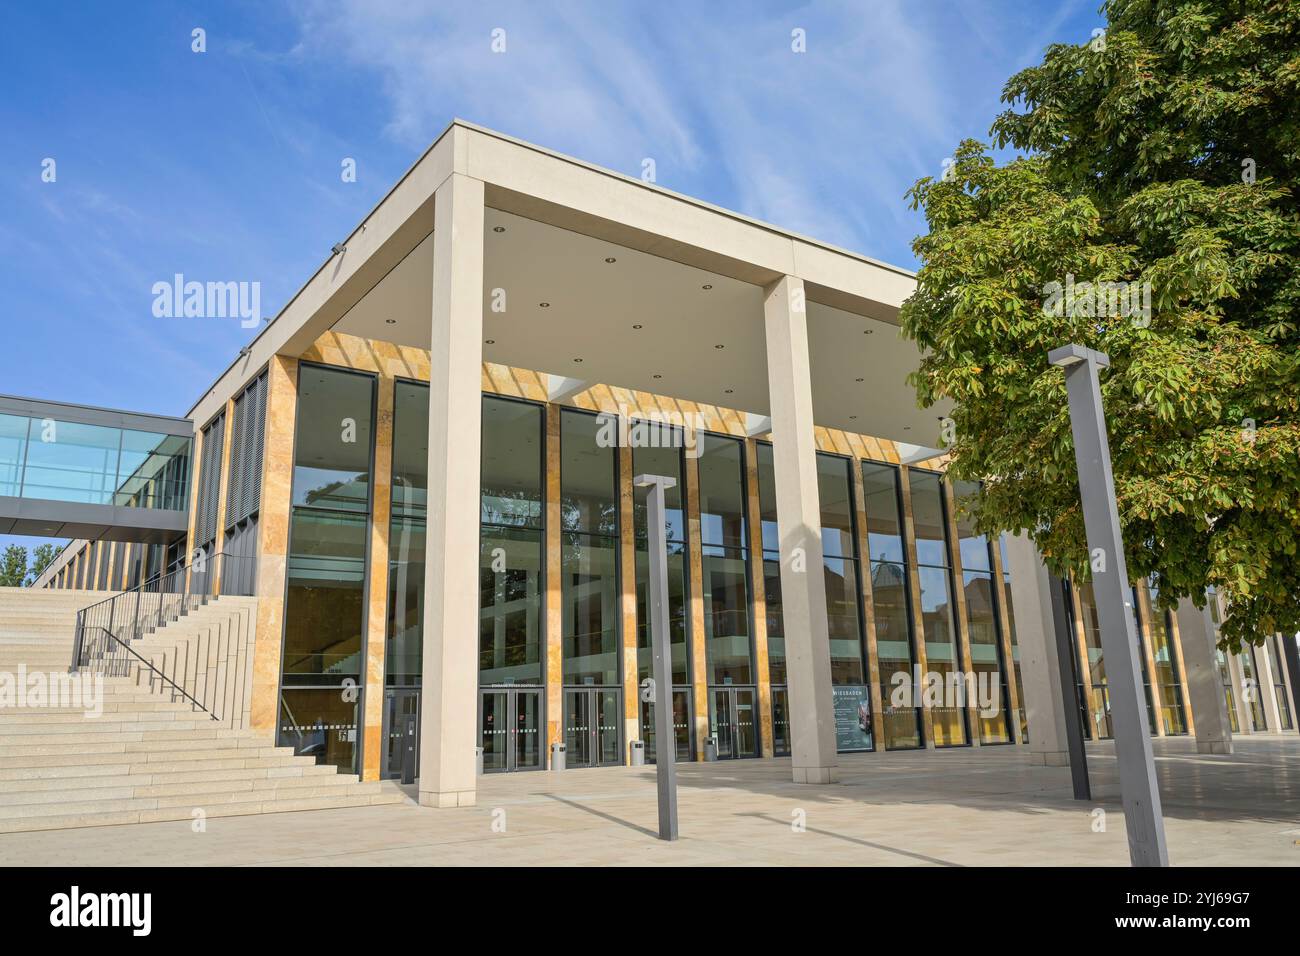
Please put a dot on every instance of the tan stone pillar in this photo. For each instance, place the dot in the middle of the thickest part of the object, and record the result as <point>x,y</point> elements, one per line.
<point>921,662</point>
<point>554,662</point>
<point>697,639</point>
<point>381,506</point>
<point>449,692</point>
<point>798,509</point>
<point>273,538</point>
<point>627,594</point>
<point>758,587</point>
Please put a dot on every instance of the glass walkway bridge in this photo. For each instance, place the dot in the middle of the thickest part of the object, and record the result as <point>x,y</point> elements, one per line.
<point>76,471</point>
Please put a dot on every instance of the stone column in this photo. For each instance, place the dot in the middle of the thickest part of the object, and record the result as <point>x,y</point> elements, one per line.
<point>1040,666</point>
<point>381,512</point>
<point>758,588</point>
<point>273,538</point>
<point>798,514</point>
<point>1204,684</point>
<point>448,703</point>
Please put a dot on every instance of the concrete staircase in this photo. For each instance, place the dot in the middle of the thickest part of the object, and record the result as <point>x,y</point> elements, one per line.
<point>150,755</point>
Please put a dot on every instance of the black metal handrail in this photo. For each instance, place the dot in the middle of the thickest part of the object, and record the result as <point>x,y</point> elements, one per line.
<point>112,660</point>
<point>164,598</point>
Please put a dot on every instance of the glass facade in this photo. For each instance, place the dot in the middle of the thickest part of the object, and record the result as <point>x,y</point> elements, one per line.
<point>728,644</point>
<point>1015,644</point>
<point>664,457</point>
<point>982,609</point>
<point>325,604</point>
<point>942,649</point>
<point>1165,653</point>
<point>1274,645</point>
<point>900,722</point>
<point>1099,708</point>
<point>511,545</point>
<point>771,558</point>
<point>589,556</point>
<point>406,530</point>
<point>45,458</point>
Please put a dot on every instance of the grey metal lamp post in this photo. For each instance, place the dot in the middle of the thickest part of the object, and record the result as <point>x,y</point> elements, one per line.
<point>1143,817</point>
<point>665,739</point>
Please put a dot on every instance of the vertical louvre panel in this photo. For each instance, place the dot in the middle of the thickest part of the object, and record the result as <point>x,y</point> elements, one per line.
<point>236,461</point>
<point>210,480</point>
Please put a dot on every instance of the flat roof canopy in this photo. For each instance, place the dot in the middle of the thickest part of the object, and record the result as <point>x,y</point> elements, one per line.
<point>551,225</point>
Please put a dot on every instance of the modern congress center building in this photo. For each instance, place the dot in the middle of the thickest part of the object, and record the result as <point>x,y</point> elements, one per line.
<point>425,464</point>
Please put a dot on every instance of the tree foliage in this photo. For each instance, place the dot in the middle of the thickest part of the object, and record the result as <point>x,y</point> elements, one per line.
<point>1165,153</point>
<point>13,566</point>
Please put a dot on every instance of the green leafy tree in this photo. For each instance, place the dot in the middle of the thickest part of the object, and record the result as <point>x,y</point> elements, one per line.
<point>41,559</point>
<point>1164,153</point>
<point>13,566</point>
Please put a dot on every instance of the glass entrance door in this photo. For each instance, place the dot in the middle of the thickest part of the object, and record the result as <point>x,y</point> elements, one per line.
<point>780,721</point>
<point>592,728</point>
<point>401,732</point>
<point>510,728</point>
<point>681,726</point>
<point>733,720</point>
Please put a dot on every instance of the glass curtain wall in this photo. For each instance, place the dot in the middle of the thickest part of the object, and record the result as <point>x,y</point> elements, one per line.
<point>1274,645</point>
<point>1221,661</point>
<point>1251,691</point>
<point>729,652</point>
<point>854,730</point>
<point>1099,708</point>
<point>900,724</point>
<point>402,657</point>
<point>325,607</point>
<point>1165,652</point>
<point>934,571</point>
<point>771,557</point>
<point>1140,631</point>
<point>589,516</point>
<point>663,456</point>
<point>982,609</point>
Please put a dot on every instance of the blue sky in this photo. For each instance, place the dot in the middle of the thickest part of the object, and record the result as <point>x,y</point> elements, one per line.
<point>225,165</point>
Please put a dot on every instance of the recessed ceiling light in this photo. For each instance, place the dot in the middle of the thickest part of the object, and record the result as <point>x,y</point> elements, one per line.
<point>706,287</point>
<point>853,416</point>
<point>391,321</point>
<point>544,305</point>
<point>491,342</point>
<point>658,376</point>
<point>866,331</point>
<point>907,428</point>
<point>859,380</point>
<point>729,390</point>
<point>498,228</point>
<point>636,326</point>
<point>719,346</point>
<point>577,360</point>
<point>610,259</point>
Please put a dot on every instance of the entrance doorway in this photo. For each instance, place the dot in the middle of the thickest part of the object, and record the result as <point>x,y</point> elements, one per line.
<point>401,731</point>
<point>510,726</point>
<point>733,721</point>
<point>682,726</point>
<point>780,721</point>
<point>592,727</point>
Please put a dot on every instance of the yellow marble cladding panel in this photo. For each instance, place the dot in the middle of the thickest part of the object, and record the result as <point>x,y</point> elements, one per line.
<point>697,647</point>
<point>627,584</point>
<point>554,608</point>
<point>377,600</point>
<point>402,361</point>
<point>273,537</point>
<point>758,587</point>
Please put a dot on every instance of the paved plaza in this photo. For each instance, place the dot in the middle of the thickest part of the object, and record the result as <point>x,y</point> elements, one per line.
<point>967,807</point>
